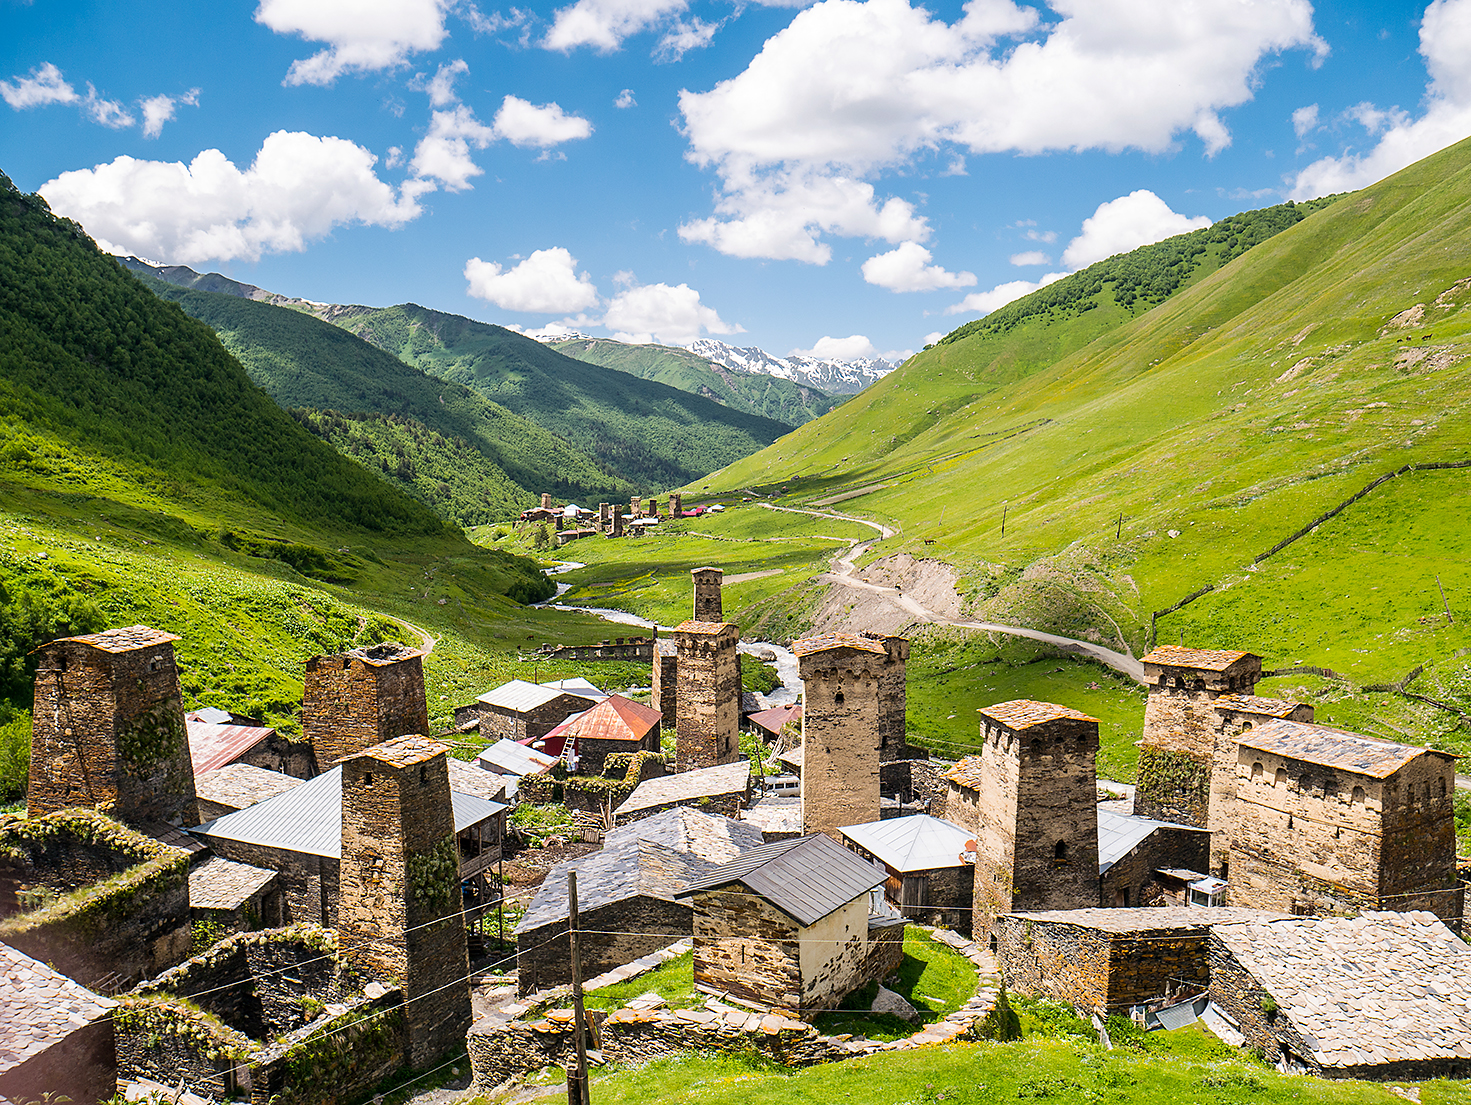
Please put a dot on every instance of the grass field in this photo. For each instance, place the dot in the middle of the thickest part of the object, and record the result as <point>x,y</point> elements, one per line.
<point>933,978</point>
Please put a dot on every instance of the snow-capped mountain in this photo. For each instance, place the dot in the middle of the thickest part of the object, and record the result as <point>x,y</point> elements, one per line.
<point>836,377</point>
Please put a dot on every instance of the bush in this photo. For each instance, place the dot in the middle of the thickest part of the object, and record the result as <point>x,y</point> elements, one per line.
<point>15,754</point>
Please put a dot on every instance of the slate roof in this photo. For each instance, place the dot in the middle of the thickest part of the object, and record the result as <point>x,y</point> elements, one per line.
<point>689,786</point>
<point>1255,704</point>
<point>632,869</point>
<point>1126,921</point>
<point>1376,988</point>
<point>519,696</point>
<point>915,843</point>
<point>125,639</point>
<point>219,883</point>
<point>241,785</point>
<point>41,1007</point>
<point>967,773</point>
<point>682,829</point>
<point>794,757</point>
<point>466,778</point>
<point>711,628</point>
<point>506,757</point>
<point>1023,713</point>
<point>381,655</point>
<point>806,878</point>
<point>614,719</point>
<point>1120,833</point>
<point>308,818</point>
<point>824,641</point>
<point>1318,744</point>
<point>1201,659</point>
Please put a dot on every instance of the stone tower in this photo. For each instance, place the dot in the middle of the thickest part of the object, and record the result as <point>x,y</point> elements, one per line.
<point>357,699</point>
<point>708,689</point>
<point>1037,841</point>
<point>400,889</point>
<point>665,697</point>
<point>707,594</point>
<point>676,504</point>
<point>634,505</point>
<point>604,510</point>
<point>894,776</point>
<point>108,729</point>
<point>850,684</point>
<point>1180,727</point>
<point>546,501</point>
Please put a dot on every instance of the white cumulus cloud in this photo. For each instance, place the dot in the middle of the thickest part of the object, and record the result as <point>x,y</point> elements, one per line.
<point>644,313</point>
<point>1126,223</point>
<point>109,113</point>
<point>1030,257</point>
<point>298,187</point>
<point>158,110</point>
<point>684,36</point>
<point>523,123</point>
<point>444,153</point>
<point>625,99</point>
<point>441,86</point>
<point>44,86</point>
<point>849,89</point>
<point>1305,119</point>
<point>547,282</point>
<point>361,35</point>
<point>855,347</point>
<point>1445,44</point>
<point>604,24</point>
<point>908,269</point>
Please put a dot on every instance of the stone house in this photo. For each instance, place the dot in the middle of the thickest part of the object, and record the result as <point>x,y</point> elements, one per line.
<point>928,861</point>
<point>791,926</point>
<point>1329,821</point>
<point>724,789</point>
<point>1137,856</point>
<point>522,711</point>
<point>234,897</point>
<point>1380,996</point>
<point>1111,960</point>
<point>354,700</point>
<point>56,1037</point>
<point>1236,714</point>
<point>616,724</point>
<point>213,745</point>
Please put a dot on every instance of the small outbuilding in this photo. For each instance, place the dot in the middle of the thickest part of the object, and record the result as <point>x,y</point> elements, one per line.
<point>930,865</point>
<point>616,724</point>
<point>1135,854</point>
<point>522,711</point>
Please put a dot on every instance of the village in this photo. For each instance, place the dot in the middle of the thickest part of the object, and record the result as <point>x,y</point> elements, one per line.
<point>206,907</point>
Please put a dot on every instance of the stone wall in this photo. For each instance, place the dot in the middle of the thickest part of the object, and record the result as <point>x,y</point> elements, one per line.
<point>707,725</point>
<point>1064,962</point>
<point>277,753</point>
<point>633,649</point>
<point>1231,721</point>
<point>847,697</point>
<point>81,1068</point>
<point>108,729</point>
<point>1237,993</point>
<point>665,698</point>
<point>544,955</point>
<point>747,948</point>
<point>357,699</point>
<point>309,884</point>
<point>1133,874</point>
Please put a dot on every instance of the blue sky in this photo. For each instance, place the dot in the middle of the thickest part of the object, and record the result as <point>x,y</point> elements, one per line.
<point>848,177</point>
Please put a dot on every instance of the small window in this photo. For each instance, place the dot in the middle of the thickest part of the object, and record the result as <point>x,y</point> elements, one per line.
<point>1358,796</point>
<point>838,698</point>
<point>1059,850</point>
<point>423,774</point>
<point>367,779</point>
<point>1256,771</point>
<point>1442,786</point>
<point>1281,778</point>
<point>1121,898</point>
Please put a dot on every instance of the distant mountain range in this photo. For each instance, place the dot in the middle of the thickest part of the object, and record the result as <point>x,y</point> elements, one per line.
<point>838,377</point>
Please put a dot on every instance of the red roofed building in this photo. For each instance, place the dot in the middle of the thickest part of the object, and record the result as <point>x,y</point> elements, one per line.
<point>616,724</point>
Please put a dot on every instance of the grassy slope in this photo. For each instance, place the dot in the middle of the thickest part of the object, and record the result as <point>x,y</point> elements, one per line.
<point>654,435</point>
<point>304,362</point>
<point>1230,415</point>
<point>769,396</point>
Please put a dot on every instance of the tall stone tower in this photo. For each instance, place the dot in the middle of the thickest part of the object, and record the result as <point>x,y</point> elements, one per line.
<point>665,687</point>
<point>1037,844</point>
<point>1180,727</point>
<point>400,888</point>
<point>108,729</point>
<point>708,689</point>
<point>894,776</point>
<point>357,699</point>
<point>853,692</point>
<point>676,504</point>
<point>707,594</point>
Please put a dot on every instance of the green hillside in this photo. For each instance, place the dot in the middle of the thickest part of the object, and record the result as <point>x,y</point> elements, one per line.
<point>303,362</point>
<point>654,435</point>
<point>1166,453</point>
<point>754,393</point>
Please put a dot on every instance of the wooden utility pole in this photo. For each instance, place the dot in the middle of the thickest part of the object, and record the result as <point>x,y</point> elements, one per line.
<point>1119,533</point>
<point>577,1089</point>
<point>1003,520</point>
<point>1449,620</point>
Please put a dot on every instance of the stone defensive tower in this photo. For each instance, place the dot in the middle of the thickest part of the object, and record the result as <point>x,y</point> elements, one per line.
<point>708,685</point>
<point>707,594</point>
<point>676,504</point>
<point>851,686</point>
<point>108,729</point>
<point>665,697</point>
<point>604,509</point>
<point>546,501</point>
<point>357,699</point>
<point>1180,727</point>
<point>400,894</point>
<point>1037,841</point>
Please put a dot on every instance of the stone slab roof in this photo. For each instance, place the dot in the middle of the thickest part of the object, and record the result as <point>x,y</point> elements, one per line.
<point>1255,704</point>
<point>41,1007</point>
<point>825,641</point>
<point>127,639</point>
<point>224,884</point>
<point>775,814</point>
<point>709,628</point>
<point>1023,713</point>
<point>405,751</point>
<point>1319,744</point>
<point>381,655</point>
<point>241,785</point>
<point>213,745</point>
<point>806,878</point>
<point>915,843</point>
<point>689,786</point>
<point>1377,988</point>
<point>1201,659</point>
<point>631,869</point>
<point>518,696</point>
<point>967,773</point>
<point>1136,919</point>
<point>1120,833</point>
<point>467,778</point>
<point>682,829</point>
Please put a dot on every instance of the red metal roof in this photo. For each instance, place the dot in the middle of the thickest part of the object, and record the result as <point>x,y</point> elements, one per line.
<point>614,719</point>
<point>773,719</point>
<point>212,746</point>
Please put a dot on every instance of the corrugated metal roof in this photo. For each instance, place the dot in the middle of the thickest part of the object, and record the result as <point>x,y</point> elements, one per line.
<point>773,719</point>
<point>1120,833</point>
<point>704,782</point>
<point>1201,659</point>
<point>519,696</point>
<point>614,718</point>
<point>806,878</point>
<point>916,843</point>
<point>308,818</point>
<point>576,685</point>
<point>506,757</point>
<point>1318,744</point>
<point>212,746</point>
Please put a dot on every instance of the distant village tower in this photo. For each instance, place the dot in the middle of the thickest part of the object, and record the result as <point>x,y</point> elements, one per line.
<point>400,896</point>
<point>108,729</point>
<point>1037,841</point>
<point>357,699</point>
<point>707,594</point>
